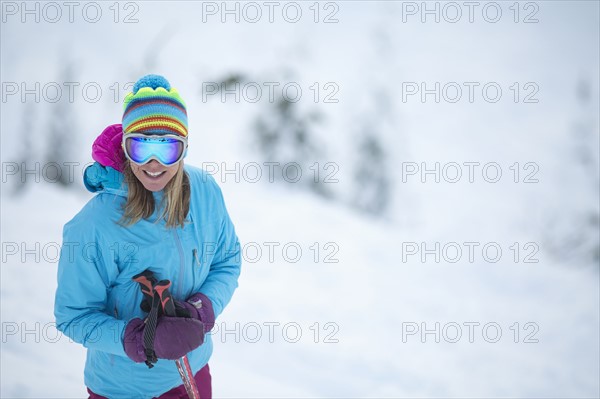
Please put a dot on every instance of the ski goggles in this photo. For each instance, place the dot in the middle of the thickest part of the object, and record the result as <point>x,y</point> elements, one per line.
<point>142,148</point>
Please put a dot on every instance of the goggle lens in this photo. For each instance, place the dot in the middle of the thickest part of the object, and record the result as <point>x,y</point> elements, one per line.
<point>165,150</point>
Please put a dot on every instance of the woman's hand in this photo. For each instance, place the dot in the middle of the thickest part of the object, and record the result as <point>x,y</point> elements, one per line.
<point>175,337</point>
<point>199,307</point>
<point>107,150</point>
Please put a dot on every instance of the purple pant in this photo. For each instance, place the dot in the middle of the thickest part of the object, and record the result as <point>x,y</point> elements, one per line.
<point>202,379</point>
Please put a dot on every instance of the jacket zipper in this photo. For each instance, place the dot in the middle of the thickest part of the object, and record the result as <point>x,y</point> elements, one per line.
<point>181,263</point>
<point>116,311</point>
<point>197,258</point>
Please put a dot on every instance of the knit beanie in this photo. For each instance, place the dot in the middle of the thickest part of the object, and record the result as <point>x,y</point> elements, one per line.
<point>153,107</point>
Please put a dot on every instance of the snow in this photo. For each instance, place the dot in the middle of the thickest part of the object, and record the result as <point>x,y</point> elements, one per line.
<point>367,301</point>
<point>367,295</point>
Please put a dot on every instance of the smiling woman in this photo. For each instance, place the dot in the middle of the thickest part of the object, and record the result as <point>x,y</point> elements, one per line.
<point>155,143</point>
<point>148,199</point>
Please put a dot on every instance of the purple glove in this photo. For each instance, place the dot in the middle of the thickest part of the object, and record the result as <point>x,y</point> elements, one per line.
<point>107,150</point>
<point>175,337</point>
<point>200,308</point>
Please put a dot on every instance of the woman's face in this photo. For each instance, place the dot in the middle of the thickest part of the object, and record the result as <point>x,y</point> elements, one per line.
<point>153,175</point>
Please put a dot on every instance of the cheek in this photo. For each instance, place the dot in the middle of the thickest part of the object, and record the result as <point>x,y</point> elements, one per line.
<point>136,171</point>
<point>172,172</point>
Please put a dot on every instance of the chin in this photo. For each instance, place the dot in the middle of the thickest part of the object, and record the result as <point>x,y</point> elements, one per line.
<point>151,186</point>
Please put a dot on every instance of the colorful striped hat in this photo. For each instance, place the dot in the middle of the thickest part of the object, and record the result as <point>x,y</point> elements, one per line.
<point>154,108</point>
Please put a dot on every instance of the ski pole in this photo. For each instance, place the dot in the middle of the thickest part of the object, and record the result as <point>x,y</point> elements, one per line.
<point>146,280</point>
<point>157,293</point>
<point>183,364</point>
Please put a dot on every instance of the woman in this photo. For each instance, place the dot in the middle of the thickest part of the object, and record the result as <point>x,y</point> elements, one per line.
<point>150,213</point>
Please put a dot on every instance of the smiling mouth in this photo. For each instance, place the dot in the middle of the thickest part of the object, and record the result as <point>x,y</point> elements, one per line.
<point>154,174</point>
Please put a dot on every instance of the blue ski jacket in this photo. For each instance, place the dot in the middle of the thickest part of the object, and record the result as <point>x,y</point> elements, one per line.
<point>96,297</point>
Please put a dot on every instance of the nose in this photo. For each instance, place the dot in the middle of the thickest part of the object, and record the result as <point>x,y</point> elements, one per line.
<point>153,166</point>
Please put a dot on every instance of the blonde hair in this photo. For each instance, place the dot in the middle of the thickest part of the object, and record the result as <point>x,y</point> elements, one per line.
<point>140,202</point>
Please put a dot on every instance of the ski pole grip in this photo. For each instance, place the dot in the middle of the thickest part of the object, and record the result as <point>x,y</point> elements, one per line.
<point>145,280</point>
<point>162,288</point>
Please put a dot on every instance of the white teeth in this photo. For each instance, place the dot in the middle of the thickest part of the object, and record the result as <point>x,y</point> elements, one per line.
<point>154,174</point>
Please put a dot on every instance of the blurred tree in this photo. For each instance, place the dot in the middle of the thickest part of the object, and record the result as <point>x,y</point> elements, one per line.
<point>574,232</point>
<point>62,136</point>
<point>371,176</point>
<point>586,141</point>
<point>26,158</point>
<point>372,184</point>
<point>285,136</point>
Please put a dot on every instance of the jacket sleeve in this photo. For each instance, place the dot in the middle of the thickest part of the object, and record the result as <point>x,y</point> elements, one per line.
<point>222,279</point>
<point>84,274</point>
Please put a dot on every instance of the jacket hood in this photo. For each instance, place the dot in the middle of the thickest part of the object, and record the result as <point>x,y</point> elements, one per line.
<point>98,178</point>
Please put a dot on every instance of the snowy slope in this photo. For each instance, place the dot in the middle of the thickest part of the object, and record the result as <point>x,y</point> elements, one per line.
<point>367,296</point>
<point>368,301</point>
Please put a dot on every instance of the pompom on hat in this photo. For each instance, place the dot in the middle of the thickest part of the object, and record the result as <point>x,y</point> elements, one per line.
<point>153,107</point>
